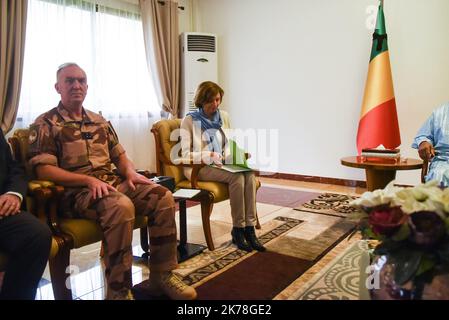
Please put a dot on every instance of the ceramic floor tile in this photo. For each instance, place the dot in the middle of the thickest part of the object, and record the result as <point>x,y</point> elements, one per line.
<point>86,281</point>
<point>281,211</point>
<point>98,294</point>
<point>45,292</point>
<point>264,209</point>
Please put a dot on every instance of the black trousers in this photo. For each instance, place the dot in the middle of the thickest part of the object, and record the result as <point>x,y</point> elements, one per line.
<point>27,242</point>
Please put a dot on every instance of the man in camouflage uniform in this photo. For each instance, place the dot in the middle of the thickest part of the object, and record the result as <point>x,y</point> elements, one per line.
<point>77,148</point>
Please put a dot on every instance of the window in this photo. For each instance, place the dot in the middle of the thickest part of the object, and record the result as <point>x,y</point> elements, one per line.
<point>105,38</point>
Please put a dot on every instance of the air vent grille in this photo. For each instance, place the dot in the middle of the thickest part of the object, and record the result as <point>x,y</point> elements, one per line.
<point>200,43</point>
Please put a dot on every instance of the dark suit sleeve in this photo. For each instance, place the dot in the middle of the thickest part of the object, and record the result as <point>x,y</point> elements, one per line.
<point>15,177</point>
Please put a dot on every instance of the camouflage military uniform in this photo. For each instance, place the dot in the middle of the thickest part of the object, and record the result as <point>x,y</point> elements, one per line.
<point>89,147</point>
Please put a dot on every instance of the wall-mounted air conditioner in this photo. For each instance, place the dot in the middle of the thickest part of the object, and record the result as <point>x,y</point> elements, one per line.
<point>198,64</point>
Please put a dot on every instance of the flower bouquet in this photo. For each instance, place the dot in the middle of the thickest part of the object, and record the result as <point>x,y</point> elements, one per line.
<point>411,226</point>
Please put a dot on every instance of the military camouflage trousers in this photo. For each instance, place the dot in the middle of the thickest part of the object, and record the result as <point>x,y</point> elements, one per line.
<point>116,212</point>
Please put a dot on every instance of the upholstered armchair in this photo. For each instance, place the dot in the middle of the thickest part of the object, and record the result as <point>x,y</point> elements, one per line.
<point>214,191</point>
<point>70,233</point>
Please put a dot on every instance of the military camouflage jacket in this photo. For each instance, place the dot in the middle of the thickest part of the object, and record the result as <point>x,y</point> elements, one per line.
<point>89,146</point>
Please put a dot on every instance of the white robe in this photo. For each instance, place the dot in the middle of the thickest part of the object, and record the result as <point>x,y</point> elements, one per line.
<point>436,131</point>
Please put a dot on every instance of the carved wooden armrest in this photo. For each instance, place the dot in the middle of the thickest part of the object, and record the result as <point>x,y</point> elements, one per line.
<point>36,184</point>
<point>40,197</point>
<point>57,192</point>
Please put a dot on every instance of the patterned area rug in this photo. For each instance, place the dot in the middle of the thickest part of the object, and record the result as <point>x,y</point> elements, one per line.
<point>329,203</point>
<point>315,248</point>
<point>200,267</point>
<point>295,241</point>
<point>342,279</point>
<point>284,197</point>
<point>260,277</point>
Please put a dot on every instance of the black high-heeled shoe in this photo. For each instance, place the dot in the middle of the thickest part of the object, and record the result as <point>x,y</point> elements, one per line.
<point>238,238</point>
<point>250,236</point>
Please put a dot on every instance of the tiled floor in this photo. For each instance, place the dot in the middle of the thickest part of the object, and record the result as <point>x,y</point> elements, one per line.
<point>87,269</point>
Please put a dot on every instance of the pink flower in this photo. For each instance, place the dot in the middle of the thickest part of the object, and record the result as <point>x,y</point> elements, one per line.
<point>385,220</point>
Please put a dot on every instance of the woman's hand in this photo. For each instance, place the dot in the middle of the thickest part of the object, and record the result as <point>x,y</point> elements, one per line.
<point>99,188</point>
<point>216,158</point>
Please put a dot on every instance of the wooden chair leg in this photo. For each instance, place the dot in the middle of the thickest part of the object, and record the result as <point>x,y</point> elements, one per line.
<point>206,210</point>
<point>258,227</point>
<point>144,244</point>
<point>60,276</point>
<point>257,216</point>
<point>102,250</point>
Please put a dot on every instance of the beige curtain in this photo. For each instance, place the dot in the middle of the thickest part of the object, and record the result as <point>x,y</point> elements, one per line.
<point>161,32</point>
<point>13,14</point>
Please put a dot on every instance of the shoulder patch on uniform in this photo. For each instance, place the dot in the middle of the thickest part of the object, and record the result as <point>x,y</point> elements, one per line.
<point>112,131</point>
<point>32,138</point>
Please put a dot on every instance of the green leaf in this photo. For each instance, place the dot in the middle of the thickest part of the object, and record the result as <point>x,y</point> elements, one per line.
<point>406,263</point>
<point>388,246</point>
<point>368,233</point>
<point>402,233</point>
<point>426,264</point>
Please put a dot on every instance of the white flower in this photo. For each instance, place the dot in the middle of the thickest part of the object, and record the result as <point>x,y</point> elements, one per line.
<point>377,197</point>
<point>423,197</point>
<point>445,200</point>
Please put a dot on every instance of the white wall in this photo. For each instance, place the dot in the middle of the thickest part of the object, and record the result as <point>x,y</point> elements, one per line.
<point>300,66</point>
<point>185,16</point>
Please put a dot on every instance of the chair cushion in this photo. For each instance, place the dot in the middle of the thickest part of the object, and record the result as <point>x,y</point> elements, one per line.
<point>165,129</point>
<point>21,136</point>
<point>85,231</point>
<point>219,190</point>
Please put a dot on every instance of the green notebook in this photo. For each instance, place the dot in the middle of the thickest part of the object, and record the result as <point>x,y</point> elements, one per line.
<point>239,163</point>
<point>238,155</point>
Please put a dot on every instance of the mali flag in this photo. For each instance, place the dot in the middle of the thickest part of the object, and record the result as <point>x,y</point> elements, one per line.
<point>379,120</point>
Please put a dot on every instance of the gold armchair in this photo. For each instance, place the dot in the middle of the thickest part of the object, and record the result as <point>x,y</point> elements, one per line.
<point>214,191</point>
<point>70,233</point>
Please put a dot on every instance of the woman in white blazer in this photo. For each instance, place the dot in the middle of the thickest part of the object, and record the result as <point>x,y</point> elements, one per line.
<point>204,140</point>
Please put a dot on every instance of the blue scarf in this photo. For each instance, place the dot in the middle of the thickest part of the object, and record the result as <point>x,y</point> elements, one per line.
<point>209,127</point>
